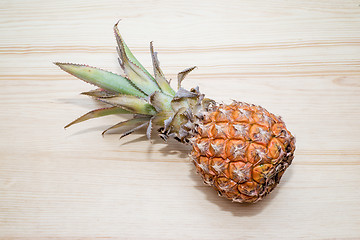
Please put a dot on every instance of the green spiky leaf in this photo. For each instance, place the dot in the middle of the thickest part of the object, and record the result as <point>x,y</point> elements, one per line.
<point>103,79</point>
<point>99,113</point>
<point>100,93</point>
<point>131,103</point>
<point>132,67</point>
<point>134,124</point>
<point>159,75</point>
<point>128,53</point>
<point>161,101</point>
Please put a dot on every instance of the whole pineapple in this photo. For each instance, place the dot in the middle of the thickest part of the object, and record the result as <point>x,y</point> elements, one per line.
<point>240,149</point>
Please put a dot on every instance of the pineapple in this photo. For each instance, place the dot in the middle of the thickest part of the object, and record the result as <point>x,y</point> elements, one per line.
<point>240,149</point>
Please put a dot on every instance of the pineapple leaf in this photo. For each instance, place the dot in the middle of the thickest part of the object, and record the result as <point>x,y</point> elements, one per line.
<point>149,128</point>
<point>133,130</point>
<point>160,101</point>
<point>100,93</point>
<point>134,123</point>
<point>159,75</point>
<point>182,75</point>
<point>128,53</point>
<point>98,113</point>
<point>141,78</point>
<point>131,103</point>
<point>168,122</point>
<point>183,93</point>
<point>103,79</point>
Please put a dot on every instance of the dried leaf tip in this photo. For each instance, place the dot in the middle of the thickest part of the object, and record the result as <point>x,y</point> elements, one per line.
<point>183,74</point>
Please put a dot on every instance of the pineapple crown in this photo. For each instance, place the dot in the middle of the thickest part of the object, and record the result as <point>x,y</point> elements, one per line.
<point>150,99</point>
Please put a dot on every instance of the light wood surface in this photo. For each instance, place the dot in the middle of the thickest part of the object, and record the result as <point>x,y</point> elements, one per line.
<point>298,59</point>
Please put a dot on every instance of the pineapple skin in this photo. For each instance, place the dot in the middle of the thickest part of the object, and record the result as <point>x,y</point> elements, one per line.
<point>241,150</point>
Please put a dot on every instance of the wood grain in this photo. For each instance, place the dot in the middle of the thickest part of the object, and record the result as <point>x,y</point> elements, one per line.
<point>299,59</point>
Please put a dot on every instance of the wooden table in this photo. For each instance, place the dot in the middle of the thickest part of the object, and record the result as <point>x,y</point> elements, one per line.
<point>299,59</point>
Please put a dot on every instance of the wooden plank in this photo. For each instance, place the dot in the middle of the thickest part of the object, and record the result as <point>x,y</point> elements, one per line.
<point>299,59</point>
